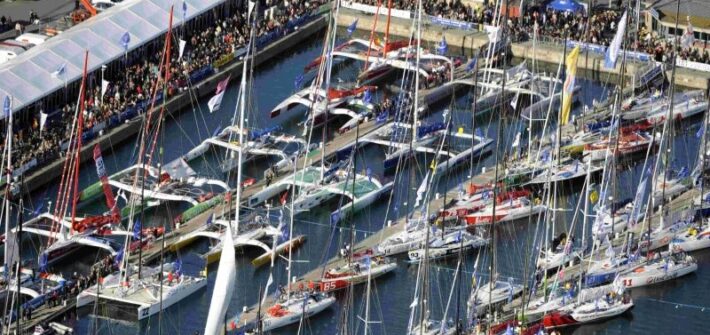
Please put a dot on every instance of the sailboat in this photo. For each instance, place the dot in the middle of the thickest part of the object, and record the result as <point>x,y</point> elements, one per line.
<point>147,289</point>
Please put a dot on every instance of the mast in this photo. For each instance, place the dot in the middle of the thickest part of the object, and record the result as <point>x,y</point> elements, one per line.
<point>501,123</point>
<point>18,271</point>
<point>669,122</point>
<point>372,34</point>
<point>7,105</point>
<point>387,29</point>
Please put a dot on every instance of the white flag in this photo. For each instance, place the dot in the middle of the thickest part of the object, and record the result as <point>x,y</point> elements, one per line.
<point>514,103</point>
<point>181,44</point>
<point>251,7</point>
<point>104,87</point>
<point>421,190</point>
<point>42,121</point>
<point>215,102</point>
<point>516,142</point>
<point>613,51</point>
<point>266,290</point>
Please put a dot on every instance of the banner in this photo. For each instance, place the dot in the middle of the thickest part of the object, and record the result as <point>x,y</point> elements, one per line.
<point>452,23</point>
<point>568,88</point>
<point>612,52</point>
<point>403,14</point>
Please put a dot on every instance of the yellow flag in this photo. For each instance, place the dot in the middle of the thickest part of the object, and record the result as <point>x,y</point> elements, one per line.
<point>460,130</point>
<point>378,42</point>
<point>568,87</point>
<point>594,196</point>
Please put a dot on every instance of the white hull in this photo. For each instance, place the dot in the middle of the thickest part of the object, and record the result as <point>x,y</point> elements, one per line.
<point>296,311</point>
<point>655,274</point>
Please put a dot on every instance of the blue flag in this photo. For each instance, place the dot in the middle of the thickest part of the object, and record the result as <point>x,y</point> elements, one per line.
<point>177,267</point>
<point>298,81</point>
<point>334,218</point>
<point>367,97</point>
<point>137,230</point>
<point>119,258</point>
<point>209,220</point>
<point>6,106</point>
<point>367,262</point>
<point>284,234</point>
<point>43,261</point>
<point>125,39</point>
<point>352,27</point>
<point>472,65</point>
<point>443,46</point>
<point>60,70</point>
<point>184,10</point>
<point>368,172</point>
<point>699,134</point>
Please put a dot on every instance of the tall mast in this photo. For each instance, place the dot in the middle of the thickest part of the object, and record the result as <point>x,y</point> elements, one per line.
<point>7,105</point>
<point>372,34</point>
<point>77,159</point>
<point>501,124</point>
<point>387,28</point>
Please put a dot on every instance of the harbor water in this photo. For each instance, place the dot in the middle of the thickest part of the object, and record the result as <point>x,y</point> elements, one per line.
<point>676,307</point>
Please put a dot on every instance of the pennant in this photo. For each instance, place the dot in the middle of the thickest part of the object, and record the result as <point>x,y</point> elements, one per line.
<point>612,52</point>
<point>6,106</point>
<point>298,81</point>
<point>443,46</point>
<point>137,229</point>
<point>42,121</point>
<point>472,65</point>
<point>59,71</point>
<point>104,87</point>
<point>184,12</point>
<point>125,40</point>
<point>181,48</point>
<point>689,36</point>
<point>568,87</point>
<point>251,8</point>
<point>514,103</point>
<point>352,27</point>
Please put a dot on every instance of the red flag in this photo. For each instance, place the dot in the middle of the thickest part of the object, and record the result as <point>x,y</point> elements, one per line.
<point>284,197</point>
<point>222,85</point>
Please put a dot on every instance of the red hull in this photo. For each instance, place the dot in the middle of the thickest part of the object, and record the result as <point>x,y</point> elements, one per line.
<point>557,319</point>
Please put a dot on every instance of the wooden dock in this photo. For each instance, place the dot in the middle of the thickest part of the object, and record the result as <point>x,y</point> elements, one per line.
<point>44,314</point>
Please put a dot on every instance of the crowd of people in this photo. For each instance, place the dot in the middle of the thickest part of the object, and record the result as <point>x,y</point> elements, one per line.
<point>135,83</point>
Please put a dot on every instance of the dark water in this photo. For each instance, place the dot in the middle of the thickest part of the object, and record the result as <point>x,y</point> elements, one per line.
<point>657,311</point>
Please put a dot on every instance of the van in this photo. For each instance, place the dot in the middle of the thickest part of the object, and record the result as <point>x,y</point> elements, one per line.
<point>35,39</point>
<point>8,52</point>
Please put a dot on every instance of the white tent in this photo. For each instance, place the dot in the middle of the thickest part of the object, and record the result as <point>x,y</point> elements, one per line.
<point>29,76</point>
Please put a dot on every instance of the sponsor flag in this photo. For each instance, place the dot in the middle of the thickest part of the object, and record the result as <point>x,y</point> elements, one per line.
<point>298,81</point>
<point>568,88</point>
<point>612,52</point>
<point>103,176</point>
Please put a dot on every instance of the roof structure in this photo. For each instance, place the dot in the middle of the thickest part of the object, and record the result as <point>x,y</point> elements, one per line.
<point>698,11</point>
<point>33,74</point>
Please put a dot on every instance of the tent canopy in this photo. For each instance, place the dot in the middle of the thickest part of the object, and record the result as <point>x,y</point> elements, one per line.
<point>565,6</point>
<point>36,73</point>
